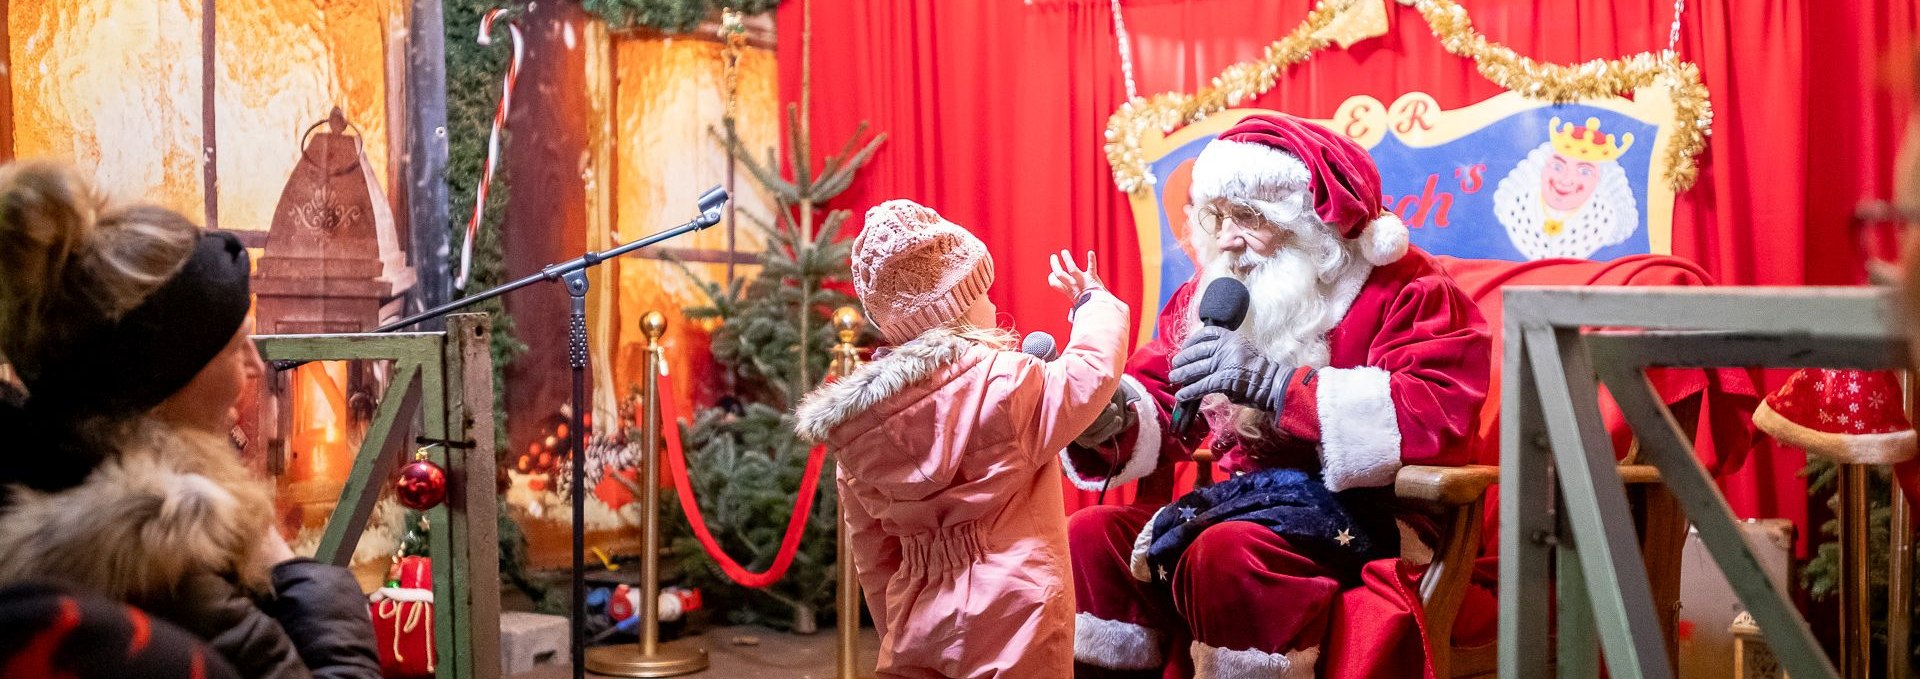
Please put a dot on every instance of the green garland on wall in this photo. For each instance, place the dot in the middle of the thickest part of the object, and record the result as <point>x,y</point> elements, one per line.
<point>669,16</point>
<point>473,93</point>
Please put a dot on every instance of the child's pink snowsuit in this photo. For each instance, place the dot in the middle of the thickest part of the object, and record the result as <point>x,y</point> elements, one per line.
<point>949,479</point>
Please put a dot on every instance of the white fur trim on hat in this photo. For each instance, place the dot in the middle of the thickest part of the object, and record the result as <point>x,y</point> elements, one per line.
<point>1237,169</point>
<point>1115,645</point>
<point>1144,457</point>
<point>1359,430</point>
<point>1888,448</point>
<point>1384,241</point>
<point>1210,662</point>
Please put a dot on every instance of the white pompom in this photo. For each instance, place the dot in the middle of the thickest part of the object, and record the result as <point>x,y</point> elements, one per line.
<point>1384,241</point>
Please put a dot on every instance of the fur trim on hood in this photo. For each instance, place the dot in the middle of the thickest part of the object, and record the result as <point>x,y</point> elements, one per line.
<point>836,402</point>
<point>168,505</point>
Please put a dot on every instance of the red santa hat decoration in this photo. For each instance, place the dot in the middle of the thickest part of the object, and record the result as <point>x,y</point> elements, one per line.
<point>1277,162</point>
<point>1850,415</point>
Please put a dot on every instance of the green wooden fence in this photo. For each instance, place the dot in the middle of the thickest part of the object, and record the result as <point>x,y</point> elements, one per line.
<point>439,388</point>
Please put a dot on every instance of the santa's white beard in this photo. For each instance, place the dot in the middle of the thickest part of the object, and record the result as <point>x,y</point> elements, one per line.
<point>1298,294</point>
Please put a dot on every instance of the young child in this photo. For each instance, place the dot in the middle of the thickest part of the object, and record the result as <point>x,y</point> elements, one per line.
<point>948,452</point>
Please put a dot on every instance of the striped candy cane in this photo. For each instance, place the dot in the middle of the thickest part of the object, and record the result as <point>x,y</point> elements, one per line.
<point>493,139</point>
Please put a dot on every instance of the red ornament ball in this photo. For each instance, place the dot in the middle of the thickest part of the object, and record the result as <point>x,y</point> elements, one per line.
<point>422,485</point>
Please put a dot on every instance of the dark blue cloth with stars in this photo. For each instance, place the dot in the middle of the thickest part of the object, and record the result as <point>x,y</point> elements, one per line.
<point>1293,504</point>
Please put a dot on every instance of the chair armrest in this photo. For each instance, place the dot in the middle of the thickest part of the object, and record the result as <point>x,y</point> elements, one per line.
<point>1631,474</point>
<point>1455,486</point>
<point>1445,486</point>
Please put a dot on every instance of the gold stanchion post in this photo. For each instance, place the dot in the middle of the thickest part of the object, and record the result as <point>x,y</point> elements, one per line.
<point>647,658</point>
<point>846,357</point>
<point>1899,568</point>
<point>1856,616</point>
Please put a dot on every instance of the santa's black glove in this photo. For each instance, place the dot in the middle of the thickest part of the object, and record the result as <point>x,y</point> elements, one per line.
<point>1116,417</point>
<point>1219,361</point>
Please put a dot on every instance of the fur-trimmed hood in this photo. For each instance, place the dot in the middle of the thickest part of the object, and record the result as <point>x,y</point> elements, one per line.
<point>837,402</point>
<point>170,504</point>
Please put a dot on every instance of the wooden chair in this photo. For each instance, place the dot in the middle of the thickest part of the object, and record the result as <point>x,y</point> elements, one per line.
<point>1458,496</point>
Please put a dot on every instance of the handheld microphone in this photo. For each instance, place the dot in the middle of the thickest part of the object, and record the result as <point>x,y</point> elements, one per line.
<point>1223,305</point>
<point>1039,344</point>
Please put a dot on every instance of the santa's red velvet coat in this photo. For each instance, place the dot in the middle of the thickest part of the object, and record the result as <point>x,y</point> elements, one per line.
<point>1406,376</point>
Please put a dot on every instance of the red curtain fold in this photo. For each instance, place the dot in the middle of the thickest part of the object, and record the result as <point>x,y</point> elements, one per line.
<point>996,111</point>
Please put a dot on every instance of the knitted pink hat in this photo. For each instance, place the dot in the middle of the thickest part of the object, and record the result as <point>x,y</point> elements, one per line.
<point>914,270</point>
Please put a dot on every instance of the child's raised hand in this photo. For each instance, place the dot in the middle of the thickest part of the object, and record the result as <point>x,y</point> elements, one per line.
<point>1069,279</point>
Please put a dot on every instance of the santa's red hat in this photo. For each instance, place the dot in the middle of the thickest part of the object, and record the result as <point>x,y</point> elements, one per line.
<point>1281,164</point>
<point>1853,415</point>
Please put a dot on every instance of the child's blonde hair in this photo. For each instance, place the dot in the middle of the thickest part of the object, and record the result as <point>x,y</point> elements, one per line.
<point>997,338</point>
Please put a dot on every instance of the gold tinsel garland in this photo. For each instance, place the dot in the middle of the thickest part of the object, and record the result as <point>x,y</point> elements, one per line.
<point>1128,128</point>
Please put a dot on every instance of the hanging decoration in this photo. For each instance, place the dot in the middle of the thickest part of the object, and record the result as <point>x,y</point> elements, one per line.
<point>1125,45</point>
<point>422,485</point>
<point>1130,127</point>
<point>733,36</point>
<point>493,138</point>
<point>1361,20</point>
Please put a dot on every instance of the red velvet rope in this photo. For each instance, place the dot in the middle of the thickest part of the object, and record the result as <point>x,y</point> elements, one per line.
<point>683,487</point>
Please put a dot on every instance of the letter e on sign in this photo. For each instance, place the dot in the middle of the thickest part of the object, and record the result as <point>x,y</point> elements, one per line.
<point>1362,119</point>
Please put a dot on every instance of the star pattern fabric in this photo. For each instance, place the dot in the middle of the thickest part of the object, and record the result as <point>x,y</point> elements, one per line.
<point>1852,416</point>
<point>1858,402</point>
<point>1295,505</point>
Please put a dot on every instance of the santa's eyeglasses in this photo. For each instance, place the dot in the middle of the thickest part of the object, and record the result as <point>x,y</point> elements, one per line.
<point>1215,216</point>
<point>1880,232</point>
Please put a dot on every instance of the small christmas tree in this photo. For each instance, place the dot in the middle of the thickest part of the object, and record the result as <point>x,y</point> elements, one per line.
<point>773,341</point>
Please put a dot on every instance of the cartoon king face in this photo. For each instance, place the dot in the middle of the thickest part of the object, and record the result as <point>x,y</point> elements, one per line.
<point>1569,197</point>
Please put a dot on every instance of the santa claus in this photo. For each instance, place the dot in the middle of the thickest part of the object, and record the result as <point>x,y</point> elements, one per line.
<point>1357,355</point>
<point>1569,197</point>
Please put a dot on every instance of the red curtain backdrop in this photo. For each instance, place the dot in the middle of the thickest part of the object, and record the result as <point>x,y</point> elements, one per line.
<point>996,110</point>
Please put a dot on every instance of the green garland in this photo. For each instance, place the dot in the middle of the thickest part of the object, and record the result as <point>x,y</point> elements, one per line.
<point>669,16</point>
<point>473,93</point>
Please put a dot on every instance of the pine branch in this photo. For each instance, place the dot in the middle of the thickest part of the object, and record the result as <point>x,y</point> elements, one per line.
<point>767,175</point>
<point>838,183</point>
<point>802,153</point>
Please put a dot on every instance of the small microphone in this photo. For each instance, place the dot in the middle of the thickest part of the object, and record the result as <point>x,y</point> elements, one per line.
<point>1223,305</point>
<point>1040,345</point>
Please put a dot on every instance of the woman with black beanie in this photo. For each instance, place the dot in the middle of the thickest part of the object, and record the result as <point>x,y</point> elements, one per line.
<point>126,329</point>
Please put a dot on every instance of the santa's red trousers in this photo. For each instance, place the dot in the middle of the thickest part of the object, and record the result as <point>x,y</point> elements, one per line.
<point>1241,603</point>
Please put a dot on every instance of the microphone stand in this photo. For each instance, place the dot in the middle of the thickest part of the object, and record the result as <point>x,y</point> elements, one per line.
<point>573,274</point>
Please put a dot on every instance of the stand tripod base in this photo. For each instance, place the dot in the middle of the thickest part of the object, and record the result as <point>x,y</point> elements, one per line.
<point>625,661</point>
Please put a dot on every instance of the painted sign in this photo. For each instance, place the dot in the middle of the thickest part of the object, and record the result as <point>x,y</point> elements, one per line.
<point>1508,178</point>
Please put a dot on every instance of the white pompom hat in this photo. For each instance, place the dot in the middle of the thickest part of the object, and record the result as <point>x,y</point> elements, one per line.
<point>1283,162</point>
